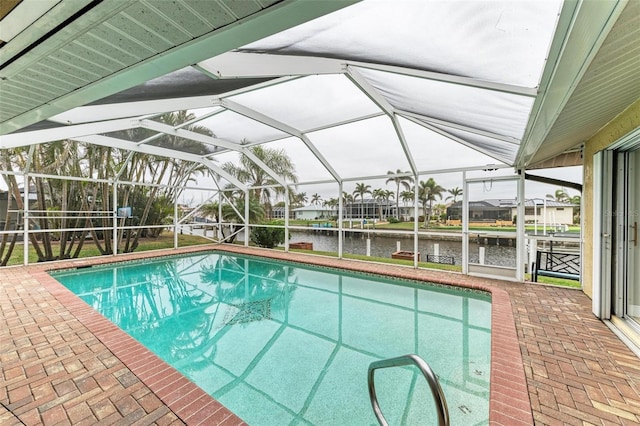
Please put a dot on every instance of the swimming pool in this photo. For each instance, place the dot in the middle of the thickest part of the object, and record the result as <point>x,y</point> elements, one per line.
<point>282,343</point>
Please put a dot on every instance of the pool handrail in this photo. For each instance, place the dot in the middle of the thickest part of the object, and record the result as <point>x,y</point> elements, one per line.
<point>427,372</point>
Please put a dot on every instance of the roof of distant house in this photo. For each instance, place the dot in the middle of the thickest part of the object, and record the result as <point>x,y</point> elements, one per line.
<point>312,209</point>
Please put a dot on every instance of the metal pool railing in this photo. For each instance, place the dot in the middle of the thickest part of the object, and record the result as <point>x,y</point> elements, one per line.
<point>427,372</point>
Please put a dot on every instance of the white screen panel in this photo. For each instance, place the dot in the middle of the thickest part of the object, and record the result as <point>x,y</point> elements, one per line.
<point>500,41</point>
<point>310,102</point>
<point>432,151</point>
<point>365,148</point>
<point>501,150</point>
<point>501,113</point>
<point>237,128</point>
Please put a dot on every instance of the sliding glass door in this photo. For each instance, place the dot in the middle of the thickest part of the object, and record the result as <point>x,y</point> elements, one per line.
<point>626,271</point>
<point>633,249</point>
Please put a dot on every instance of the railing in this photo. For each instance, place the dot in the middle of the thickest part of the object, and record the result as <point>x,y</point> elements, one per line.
<point>441,259</point>
<point>427,372</point>
<point>556,264</point>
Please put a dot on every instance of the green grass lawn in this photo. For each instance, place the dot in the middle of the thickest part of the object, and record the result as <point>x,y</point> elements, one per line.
<point>556,281</point>
<point>429,265</point>
<point>165,240</point>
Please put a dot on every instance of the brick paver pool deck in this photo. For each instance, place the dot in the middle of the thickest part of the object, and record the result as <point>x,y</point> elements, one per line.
<point>553,362</point>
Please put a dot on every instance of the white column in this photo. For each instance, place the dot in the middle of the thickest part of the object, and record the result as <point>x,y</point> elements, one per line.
<point>481,255</point>
<point>115,218</point>
<point>25,220</point>
<point>520,242</point>
<point>533,249</point>
<point>219,215</point>
<point>340,217</point>
<point>286,218</point>
<point>465,224</point>
<point>247,230</point>
<point>175,223</point>
<point>544,217</point>
<point>416,220</point>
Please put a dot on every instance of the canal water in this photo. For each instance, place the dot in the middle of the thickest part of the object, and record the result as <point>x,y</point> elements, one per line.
<point>501,253</point>
<point>383,246</point>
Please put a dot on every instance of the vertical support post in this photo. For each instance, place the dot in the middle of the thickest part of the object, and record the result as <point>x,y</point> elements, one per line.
<point>544,217</point>
<point>219,215</point>
<point>465,224</point>
<point>520,242</point>
<point>115,218</point>
<point>247,230</point>
<point>286,218</point>
<point>368,247</point>
<point>416,220</point>
<point>175,223</point>
<point>340,218</point>
<point>25,220</point>
<point>533,250</point>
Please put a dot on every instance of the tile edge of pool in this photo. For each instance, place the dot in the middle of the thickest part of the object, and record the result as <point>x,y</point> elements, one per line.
<point>509,397</point>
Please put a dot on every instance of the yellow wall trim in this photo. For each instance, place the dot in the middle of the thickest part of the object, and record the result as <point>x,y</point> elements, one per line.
<point>623,124</point>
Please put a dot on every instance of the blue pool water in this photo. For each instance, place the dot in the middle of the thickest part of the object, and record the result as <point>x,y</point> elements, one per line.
<point>285,344</point>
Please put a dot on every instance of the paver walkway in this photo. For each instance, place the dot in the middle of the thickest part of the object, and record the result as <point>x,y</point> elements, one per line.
<point>62,363</point>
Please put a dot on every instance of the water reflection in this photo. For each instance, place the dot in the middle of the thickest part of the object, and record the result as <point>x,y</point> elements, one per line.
<point>283,344</point>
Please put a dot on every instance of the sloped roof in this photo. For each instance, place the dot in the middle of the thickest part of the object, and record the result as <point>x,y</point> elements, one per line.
<point>311,209</point>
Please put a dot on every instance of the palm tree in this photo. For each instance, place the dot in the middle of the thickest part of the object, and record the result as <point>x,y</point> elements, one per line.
<point>404,181</point>
<point>427,193</point>
<point>386,196</point>
<point>407,196</point>
<point>347,199</point>
<point>378,195</point>
<point>253,175</point>
<point>455,193</point>
<point>361,189</point>
<point>332,203</point>
<point>439,210</point>
<point>316,199</point>
<point>299,199</point>
<point>560,195</point>
<point>210,210</point>
<point>576,201</point>
<point>229,214</point>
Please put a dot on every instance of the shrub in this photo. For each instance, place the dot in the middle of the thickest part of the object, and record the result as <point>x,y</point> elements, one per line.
<point>394,220</point>
<point>267,237</point>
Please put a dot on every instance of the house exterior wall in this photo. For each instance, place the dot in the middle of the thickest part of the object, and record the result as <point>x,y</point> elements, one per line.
<point>620,126</point>
<point>555,215</point>
<point>309,214</point>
